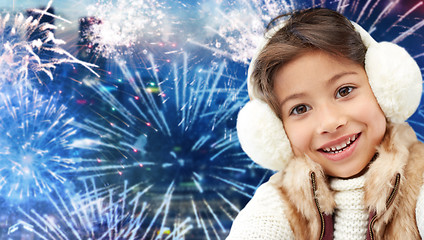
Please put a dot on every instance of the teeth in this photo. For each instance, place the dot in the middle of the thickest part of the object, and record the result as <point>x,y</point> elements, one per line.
<point>341,146</point>
<point>337,149</point>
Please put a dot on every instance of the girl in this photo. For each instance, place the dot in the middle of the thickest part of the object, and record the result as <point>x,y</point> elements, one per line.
<point>327,111</point>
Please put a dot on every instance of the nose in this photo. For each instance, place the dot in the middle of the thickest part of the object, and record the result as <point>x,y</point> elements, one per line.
<point>332,118</point>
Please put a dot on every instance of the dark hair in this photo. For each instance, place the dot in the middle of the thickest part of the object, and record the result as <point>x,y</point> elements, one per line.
<point>304,31</point>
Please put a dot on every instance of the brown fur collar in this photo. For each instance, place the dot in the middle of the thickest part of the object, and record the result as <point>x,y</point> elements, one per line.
<point>295,180</point>
<point>392,159</point>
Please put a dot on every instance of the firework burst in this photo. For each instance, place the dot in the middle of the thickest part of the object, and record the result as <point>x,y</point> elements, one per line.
<point>23,41</point>
<point>178,128</point>
<point>119,25</point>
<point>169,128</point>
<point>43,147</point>
<point>99,213</point>
<point>35,138</point>
<point>238,26</point>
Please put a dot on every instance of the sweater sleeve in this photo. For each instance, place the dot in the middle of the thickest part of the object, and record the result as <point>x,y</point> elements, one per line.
<point>262,218</point>
<point>420,212</point>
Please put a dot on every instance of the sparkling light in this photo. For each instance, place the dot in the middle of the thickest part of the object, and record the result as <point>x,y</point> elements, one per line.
<point>164,121</point>
<point>234,29</point>
<point>238,26</point>
<point>121,24</point>
<point>22,40</point>
<point>177,125</point>
<point>34,144</point>
<point>43,147</point>
<point>100,213</point>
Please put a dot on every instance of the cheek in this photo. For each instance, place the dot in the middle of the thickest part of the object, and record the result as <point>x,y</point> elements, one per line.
<point>299,137</point>
<point>380,123</point>
<point>375,119</point>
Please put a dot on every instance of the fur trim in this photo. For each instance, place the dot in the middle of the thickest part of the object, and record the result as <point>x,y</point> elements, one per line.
<point>398,221</point>
<point>262,135</point>
<point>296,180</point>
<point>295,184</point>
<point>393,156</point>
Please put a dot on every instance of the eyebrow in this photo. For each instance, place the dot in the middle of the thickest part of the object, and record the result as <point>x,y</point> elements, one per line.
<point>329,82</point>
<point>293,96</point>
<point>338,76</point>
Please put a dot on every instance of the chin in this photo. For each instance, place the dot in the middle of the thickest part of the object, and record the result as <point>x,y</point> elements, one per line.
<point>350,174</point>
<point>346,175</point>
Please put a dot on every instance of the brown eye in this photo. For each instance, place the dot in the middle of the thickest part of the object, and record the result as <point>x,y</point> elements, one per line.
<point>300,109</point>
<point>344,91</point>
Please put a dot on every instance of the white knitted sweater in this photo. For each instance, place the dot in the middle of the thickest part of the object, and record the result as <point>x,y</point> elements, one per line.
<point>350,216</point>
<point>263,217</point>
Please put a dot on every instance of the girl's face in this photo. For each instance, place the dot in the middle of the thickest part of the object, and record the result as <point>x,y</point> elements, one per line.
<point>329,112</point>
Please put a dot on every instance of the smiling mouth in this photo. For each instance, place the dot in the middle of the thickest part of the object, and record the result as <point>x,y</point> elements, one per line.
<point>340,147</point>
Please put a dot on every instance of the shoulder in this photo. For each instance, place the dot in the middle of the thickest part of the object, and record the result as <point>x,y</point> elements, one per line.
<point>263,217</point>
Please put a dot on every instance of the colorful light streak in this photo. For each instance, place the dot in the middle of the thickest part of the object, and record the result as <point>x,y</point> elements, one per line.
<point>174,126</point>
